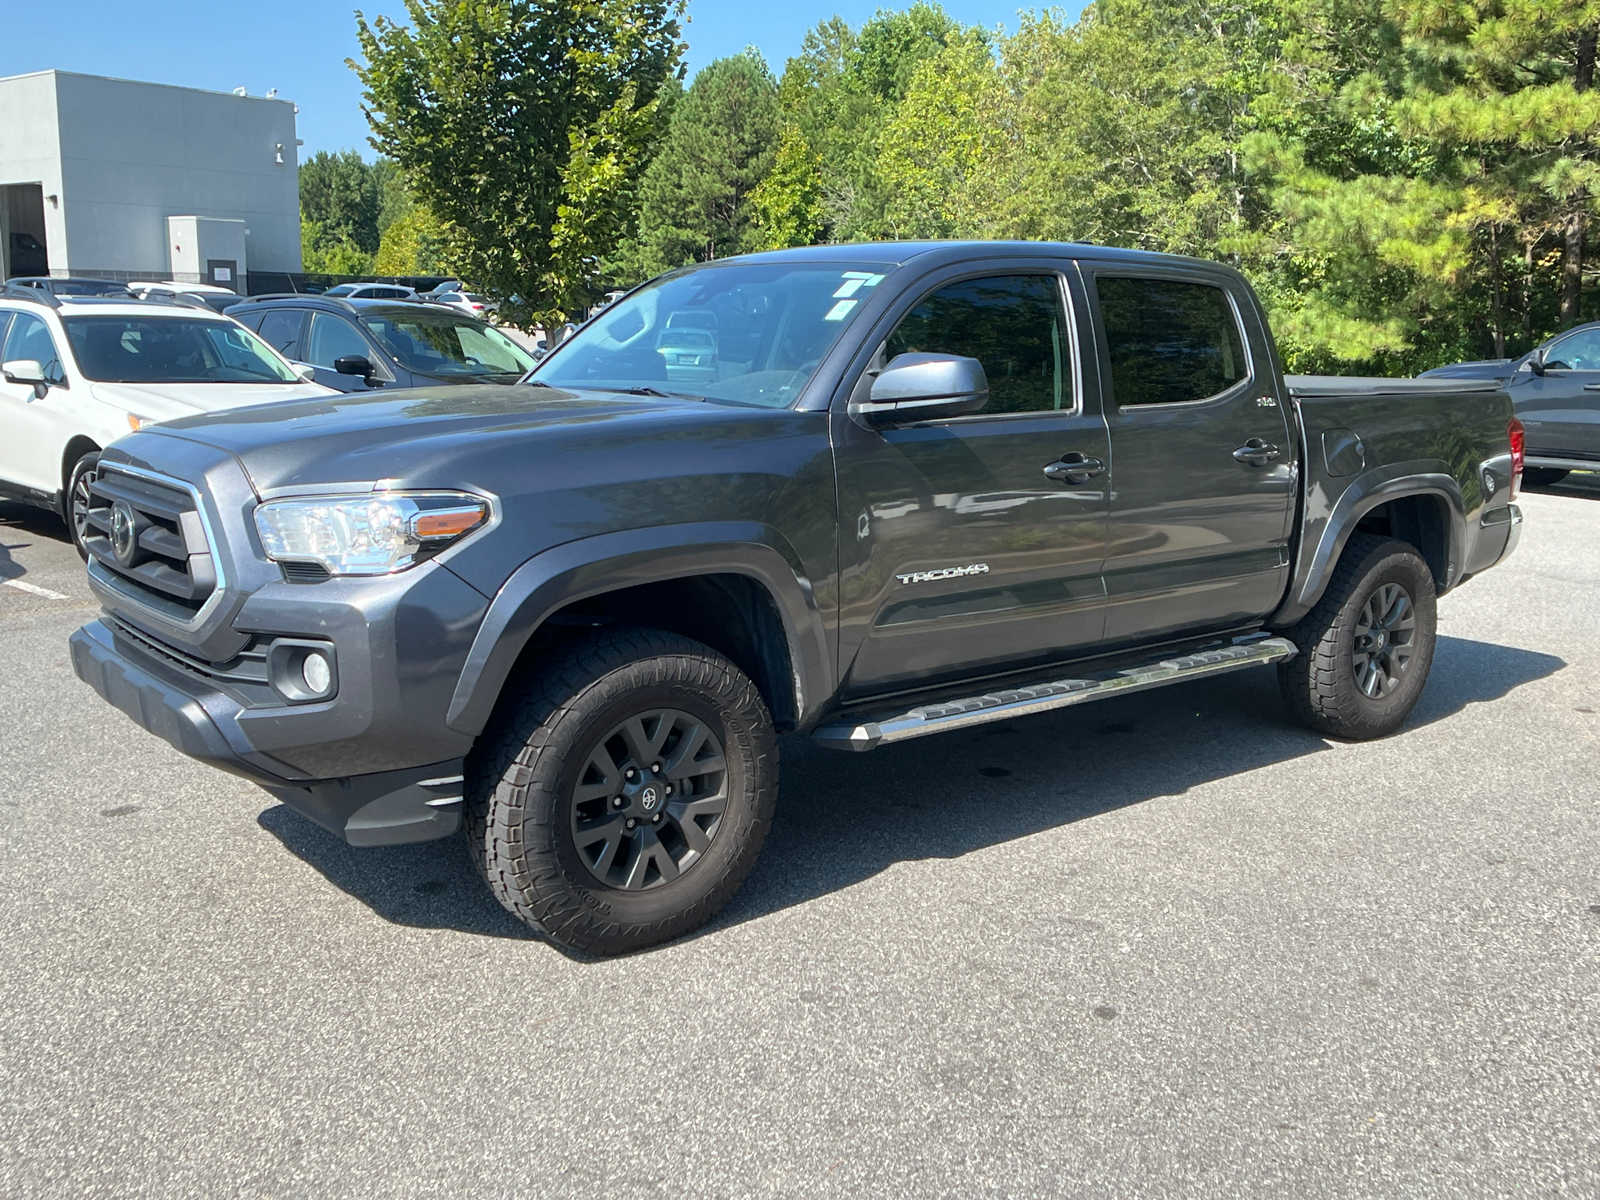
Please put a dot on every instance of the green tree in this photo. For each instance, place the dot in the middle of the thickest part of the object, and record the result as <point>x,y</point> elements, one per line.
<point>1441,207</point>
<point>341,194</point>
<point>414,243</point>
<point>695,197</point>
<point>324,252</point>
<point>789,206</point>
<point>840,91</point>
<point>523,126</point>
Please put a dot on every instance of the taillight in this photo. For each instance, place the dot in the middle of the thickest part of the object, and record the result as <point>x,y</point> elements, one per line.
<point>1518,444</point>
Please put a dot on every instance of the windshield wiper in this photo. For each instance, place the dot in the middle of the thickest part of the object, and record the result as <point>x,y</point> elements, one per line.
<point>646,390</point>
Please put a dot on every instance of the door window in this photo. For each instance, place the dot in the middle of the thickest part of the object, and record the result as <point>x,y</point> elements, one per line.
<point>29,337</point>
<point>1169,340</point>
<point>280,328</point>
<point>1580,352</point>
<point>332,338</point>
<point>1013,324</point>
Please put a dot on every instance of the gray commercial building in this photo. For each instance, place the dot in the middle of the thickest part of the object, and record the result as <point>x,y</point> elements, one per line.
<point>123,180</point>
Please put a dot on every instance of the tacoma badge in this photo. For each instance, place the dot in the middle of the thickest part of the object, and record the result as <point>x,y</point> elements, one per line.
<point>943,573</point>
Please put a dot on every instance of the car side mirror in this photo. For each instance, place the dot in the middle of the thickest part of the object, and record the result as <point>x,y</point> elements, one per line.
<point>1535,365</point>
<point>354,364</point>
<point>922,387</point>
<point>27,370</point>
<point>305,372</point>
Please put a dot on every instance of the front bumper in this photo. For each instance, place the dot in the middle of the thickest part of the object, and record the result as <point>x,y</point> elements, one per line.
<point>377,808</point>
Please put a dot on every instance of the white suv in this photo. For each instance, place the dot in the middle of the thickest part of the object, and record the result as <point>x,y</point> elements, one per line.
<point>78,372</point>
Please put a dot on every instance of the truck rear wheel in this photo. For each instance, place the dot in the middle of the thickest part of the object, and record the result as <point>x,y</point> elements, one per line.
<point>1367,646</point>
<point>620,801</point>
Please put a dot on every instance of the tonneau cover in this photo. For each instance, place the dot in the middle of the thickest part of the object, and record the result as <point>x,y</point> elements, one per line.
<point>1306,386</point>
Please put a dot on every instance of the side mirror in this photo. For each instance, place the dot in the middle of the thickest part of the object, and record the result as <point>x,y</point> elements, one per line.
<point>27,370</point>
<point>1535,365</point>
<point>923,387</point>
<point>306,372</point>
<point>354,364</point>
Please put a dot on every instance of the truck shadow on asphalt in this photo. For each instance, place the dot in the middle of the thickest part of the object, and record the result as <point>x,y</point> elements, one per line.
<point>24,519</point>
<point>844,818</point>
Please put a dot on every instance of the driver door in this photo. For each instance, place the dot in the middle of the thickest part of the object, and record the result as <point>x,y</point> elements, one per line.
<point>958,554</point>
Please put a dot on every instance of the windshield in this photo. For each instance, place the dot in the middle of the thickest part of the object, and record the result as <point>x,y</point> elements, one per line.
<point>172,350</point>
<point>747,333</point>
<point>344,289</point>
<point>435,342</point>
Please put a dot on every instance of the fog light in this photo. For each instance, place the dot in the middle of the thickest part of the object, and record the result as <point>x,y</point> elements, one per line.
<point>316,672</point>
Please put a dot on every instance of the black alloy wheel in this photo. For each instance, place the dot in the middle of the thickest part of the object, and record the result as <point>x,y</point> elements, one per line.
<point>621,793</point>
<point>1367,646</point>
<point>1383,644</point>
<point>650,799</point>
<point>77,514</point>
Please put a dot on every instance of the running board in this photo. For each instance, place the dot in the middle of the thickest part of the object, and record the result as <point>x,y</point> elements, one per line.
<point>1043,697</point>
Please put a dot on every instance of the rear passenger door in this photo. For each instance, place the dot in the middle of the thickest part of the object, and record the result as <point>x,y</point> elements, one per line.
<point>1202,464</point>
<point>284,330</point>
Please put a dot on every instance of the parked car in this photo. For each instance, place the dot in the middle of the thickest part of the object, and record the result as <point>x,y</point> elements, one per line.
<point>922,487</point>
<point>218,299</point>
<point>1555,389</point>
<point>357,345</point>
<point>81,371</point>
<point>70,285</point>
<point>372,291</point>
<point>471,303</point>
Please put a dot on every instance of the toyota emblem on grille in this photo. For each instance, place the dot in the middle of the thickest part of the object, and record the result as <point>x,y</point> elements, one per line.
<point>124,532</point>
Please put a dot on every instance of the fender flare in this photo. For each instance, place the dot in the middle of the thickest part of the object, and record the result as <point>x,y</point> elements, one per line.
<point>610,562</point>
<point>1325,537</point>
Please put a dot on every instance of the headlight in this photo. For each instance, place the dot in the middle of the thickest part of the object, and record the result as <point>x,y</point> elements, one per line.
<point>375,534</point>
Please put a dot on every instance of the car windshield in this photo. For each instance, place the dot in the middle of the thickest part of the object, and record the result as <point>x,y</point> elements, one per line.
<point>344,289</point>
<point>434,342</point>
<point>172,350</point>
<point>745,333</point>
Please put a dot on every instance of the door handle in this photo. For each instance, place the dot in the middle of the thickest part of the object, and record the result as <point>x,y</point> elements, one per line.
<point>1074,468</point>
<point>1256,453</point>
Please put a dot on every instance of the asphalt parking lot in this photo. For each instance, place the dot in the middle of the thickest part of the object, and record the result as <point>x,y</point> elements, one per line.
<point>1166,945</point>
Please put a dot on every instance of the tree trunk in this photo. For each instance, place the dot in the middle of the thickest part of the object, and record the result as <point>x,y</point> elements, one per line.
<point>1572,263</point>
<point>1497,294</point>
<point>1527,294</point>
<point>1577,223</point>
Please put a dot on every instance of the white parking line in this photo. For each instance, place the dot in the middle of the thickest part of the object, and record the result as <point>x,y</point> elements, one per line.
<point>33,589</point>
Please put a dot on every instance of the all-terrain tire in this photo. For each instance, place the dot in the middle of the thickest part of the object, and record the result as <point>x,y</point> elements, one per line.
<point>74,500</point>
<point>1323,684</point>
<point>526,776</point>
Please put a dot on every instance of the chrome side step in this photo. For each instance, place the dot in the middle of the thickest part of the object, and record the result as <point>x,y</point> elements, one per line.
<point>1255,651</point>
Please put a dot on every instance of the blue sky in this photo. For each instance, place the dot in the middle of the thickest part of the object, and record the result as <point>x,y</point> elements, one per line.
<point>300,46</point>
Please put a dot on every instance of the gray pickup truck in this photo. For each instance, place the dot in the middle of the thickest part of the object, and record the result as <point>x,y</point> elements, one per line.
<point>866,493</point>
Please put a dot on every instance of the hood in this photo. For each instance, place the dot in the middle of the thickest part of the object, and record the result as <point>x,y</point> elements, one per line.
<point>169,401</point>
<point>430,436</point>
<point>1486,368</point>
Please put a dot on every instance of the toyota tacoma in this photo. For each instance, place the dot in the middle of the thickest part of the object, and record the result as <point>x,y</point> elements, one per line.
<point>864,493</point>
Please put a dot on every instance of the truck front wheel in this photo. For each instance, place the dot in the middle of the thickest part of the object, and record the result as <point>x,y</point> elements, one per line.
<point>620,800</point>
<point>1367,646</point>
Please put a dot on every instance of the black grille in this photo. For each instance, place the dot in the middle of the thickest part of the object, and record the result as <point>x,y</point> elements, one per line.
<point>305,572</point>
<point>245,676</point>
<point>160,551</point>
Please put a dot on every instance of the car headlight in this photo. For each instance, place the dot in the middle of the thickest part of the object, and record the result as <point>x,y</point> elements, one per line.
<point>376,534</point>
